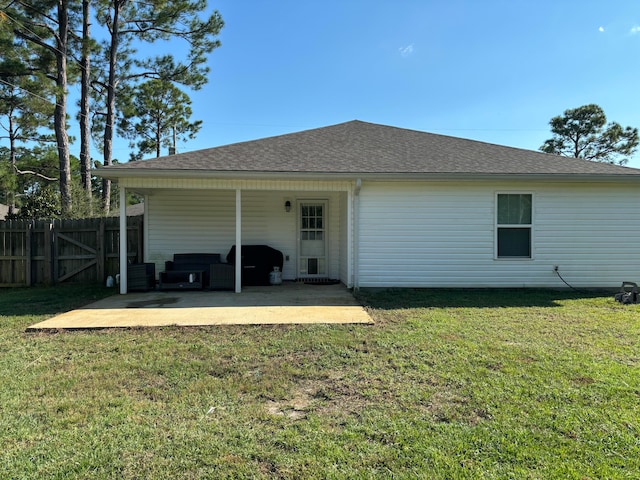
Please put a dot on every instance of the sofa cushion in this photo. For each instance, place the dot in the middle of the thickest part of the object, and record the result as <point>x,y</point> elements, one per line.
<point>180,259</point>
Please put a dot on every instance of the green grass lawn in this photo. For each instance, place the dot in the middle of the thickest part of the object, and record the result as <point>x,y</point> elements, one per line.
<point>446,384</point>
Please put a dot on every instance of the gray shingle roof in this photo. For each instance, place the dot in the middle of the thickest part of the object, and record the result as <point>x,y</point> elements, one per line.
<point>364,148</point>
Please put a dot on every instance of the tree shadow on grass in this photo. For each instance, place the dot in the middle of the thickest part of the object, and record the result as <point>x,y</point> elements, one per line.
<point>49,300</point>
<point>394,298</point>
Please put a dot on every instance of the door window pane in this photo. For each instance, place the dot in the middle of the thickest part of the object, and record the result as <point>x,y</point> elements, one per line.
<point>312,266</point>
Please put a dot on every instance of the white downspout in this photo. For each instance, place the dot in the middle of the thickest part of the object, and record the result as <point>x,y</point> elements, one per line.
<point>349,279</point>
<point>238,261</point>
<point>123,241</point>
<point>356,235</point>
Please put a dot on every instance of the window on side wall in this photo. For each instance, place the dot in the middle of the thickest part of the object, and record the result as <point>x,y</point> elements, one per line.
<point>514,214</point>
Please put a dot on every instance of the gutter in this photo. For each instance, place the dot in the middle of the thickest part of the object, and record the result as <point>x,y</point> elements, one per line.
<point>116,173</point>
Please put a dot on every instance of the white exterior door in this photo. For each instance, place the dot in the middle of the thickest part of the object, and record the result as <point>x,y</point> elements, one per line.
<point>312,239</point>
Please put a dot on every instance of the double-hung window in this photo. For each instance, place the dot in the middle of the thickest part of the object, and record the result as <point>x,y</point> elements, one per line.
<point>513,225</point>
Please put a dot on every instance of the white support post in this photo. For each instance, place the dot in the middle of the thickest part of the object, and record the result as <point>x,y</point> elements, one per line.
<point>145,230</point>
<point>238,258</point>
<point>123,241</point>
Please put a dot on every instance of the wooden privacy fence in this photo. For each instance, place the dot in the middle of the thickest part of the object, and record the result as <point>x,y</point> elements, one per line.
<point>55,251</point>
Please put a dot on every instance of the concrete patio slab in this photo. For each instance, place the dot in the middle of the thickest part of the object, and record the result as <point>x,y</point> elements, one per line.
<point>290,303</point>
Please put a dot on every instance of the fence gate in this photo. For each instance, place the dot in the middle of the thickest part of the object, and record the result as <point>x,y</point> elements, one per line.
<point>58,251</point>
<point>76,248</point>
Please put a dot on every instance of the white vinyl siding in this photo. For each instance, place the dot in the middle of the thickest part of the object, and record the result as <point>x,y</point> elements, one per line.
<point>592,234</point>
<point>185,221</point>
<point>441,234</point>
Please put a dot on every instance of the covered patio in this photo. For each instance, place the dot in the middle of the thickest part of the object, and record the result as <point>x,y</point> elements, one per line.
<point>289,303</point>
<point>310,224</point>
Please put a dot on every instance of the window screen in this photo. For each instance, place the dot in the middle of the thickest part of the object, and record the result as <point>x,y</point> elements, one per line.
<point>514,221</point>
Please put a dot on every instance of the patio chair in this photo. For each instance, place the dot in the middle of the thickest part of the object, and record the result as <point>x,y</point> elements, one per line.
<point>141,277</point>
<point>222,276</point>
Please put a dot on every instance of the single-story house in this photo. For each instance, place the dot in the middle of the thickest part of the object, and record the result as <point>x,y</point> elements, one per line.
<point>379,206</point>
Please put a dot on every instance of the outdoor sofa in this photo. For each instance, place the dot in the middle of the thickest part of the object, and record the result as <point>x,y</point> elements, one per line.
<point>195,271</point>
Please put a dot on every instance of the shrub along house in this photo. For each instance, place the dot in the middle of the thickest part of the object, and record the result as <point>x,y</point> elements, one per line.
<point>379,206</point>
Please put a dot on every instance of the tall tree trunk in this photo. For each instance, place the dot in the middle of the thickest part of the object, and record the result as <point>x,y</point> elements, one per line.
<point>12,154</point>
<point>60,112</point>
<point>111,101</point>
<point>85,126</point>
<point>158,140</point>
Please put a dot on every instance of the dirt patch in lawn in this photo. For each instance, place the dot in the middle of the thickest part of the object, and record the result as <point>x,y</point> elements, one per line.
<point>324,397</point>
<point>296,408</point>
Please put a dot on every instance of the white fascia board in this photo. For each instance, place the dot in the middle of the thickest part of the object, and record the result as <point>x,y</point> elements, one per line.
<point>115,174</point>
<point>208,174</point>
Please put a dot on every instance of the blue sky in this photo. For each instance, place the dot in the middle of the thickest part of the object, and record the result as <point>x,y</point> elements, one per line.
<point>495,71</point>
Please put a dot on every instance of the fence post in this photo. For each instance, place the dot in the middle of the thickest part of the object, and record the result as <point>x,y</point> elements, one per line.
<point>101,252</point>
<point>47,227</point>
<point>27,276</point>
<point>55,229</point>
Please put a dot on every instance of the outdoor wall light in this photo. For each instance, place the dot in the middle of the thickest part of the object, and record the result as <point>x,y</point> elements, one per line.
<point>287,206</point>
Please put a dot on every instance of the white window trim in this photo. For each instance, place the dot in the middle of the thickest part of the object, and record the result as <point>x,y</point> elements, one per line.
<point>496,226</point>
